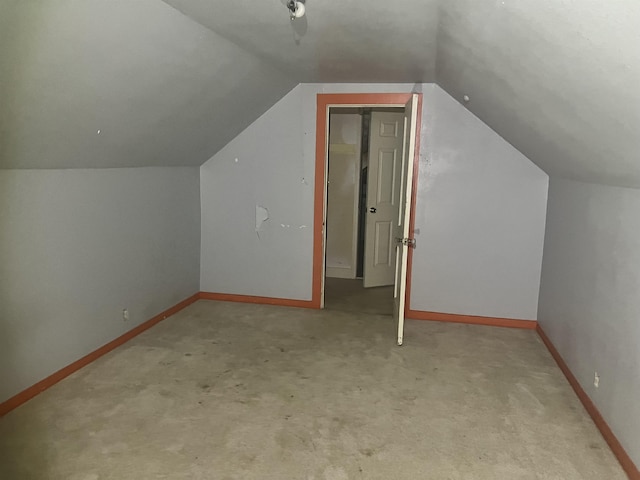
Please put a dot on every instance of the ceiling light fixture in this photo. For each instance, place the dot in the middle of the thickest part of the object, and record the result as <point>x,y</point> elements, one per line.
<point>296,9</point>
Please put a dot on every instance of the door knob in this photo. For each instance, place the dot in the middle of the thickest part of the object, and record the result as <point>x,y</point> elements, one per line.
<point>409,242</point>
<point>373,210</point>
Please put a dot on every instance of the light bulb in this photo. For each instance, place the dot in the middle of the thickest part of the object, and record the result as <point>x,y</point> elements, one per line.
<point>299,11</point>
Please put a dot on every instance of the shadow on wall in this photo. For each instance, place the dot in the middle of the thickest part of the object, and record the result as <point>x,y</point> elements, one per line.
<point>25,452</point>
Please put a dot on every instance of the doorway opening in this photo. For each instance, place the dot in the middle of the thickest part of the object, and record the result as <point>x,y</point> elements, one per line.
<point>394,163</point>
<point>363,192</point>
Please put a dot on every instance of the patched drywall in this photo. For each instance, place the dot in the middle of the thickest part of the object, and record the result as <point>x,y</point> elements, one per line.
<point>118,83</point>
<point>77,247</point>
<point>480,209</point>
<point>264,166</point>
<point>590,296</point>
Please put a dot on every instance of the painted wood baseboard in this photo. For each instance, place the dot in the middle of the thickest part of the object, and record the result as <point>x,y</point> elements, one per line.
<point>285,302</point>
<point>618,450</point>
<point>42,385</point>
<point>471,319</point>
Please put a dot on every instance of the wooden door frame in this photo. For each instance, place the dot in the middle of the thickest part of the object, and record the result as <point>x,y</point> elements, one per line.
<point>324,102</point>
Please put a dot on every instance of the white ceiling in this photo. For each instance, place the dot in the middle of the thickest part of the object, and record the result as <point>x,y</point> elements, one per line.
<point>559,79</point>
<point>350,41</point>
<point>159,88</point>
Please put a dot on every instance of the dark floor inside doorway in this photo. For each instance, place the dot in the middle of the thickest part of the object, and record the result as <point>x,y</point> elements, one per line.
<point>349,295</point>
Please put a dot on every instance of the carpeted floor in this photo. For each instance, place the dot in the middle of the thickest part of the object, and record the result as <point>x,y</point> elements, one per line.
<point>237,391</point>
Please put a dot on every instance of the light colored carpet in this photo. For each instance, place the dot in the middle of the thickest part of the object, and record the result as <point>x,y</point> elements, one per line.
<point>234,391</point>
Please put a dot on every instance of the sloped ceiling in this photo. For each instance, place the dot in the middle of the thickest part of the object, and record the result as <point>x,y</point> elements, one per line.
<point>113,83</point>
<point>364,41</point>
<point>558,79</point>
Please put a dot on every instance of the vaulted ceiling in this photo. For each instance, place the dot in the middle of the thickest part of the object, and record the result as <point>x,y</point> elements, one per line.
<point>364,41</point>
<point>106,83</point>
<point>112,83</point>
<point>559,79</point>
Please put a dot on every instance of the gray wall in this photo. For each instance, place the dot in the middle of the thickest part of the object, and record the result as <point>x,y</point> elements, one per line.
<point>590,296</point>
<point>480,209</point>
<point>271,171</point>
<point>79,246</point>
<point>480,214</point>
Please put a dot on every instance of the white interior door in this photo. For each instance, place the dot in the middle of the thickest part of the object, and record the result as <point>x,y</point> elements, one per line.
<point>403,241</point>
<point>383,197</point>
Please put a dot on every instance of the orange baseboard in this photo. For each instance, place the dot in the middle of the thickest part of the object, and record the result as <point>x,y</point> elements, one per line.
<point>285,302</point>
<point>618,450</point>
<point>471,319</point>
<point>42,385</point>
